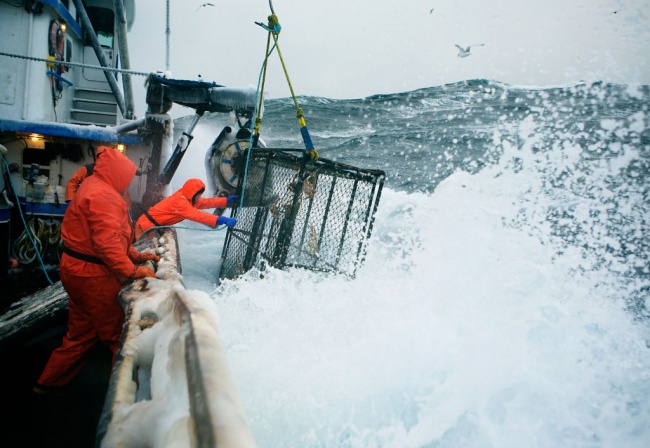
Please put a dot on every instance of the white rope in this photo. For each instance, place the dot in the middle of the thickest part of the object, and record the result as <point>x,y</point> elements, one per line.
<point>75,64</point>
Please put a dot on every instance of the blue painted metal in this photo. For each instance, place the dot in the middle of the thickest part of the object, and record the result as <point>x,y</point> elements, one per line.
<point>94,133</point>
<point>5,214</point>
<point>42,208</point>
<point>65,15</point>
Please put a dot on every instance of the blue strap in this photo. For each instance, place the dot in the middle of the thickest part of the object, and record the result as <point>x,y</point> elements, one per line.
<point>306,138</point>
<point>276,29</point>
<point>56,75</point>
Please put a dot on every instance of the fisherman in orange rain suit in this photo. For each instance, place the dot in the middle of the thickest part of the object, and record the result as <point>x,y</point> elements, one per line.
<point>97,257</point>
<point>75,181</point>
<point>185,203</point>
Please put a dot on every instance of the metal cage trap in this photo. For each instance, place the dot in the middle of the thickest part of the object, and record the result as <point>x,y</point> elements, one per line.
<point>299,213</point>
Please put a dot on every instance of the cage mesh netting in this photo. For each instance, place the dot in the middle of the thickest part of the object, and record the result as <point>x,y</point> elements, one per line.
<point>300,213</point>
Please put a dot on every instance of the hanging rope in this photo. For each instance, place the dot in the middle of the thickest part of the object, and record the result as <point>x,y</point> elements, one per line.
<point>258,115</point>
<point>274,29</point>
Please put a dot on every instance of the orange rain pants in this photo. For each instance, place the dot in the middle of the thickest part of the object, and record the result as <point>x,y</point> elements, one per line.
<point>94,314</point>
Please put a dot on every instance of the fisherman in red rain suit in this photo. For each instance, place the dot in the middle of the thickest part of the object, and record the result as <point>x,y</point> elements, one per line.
<point>78,177</point>
<point>97,257</point>
<point>75,181</point>
<point>185,203</point>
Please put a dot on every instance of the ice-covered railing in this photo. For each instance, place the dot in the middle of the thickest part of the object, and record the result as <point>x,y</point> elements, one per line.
<point>170,385</point>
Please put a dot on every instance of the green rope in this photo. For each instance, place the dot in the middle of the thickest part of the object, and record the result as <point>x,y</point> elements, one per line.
<point>258,118</point>
<point>274,30</point>
<point>216,229</point>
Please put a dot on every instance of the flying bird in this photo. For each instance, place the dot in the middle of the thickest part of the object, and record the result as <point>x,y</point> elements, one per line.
<point>464,52</point>
<point>431,12</point>
<point>204,4</point>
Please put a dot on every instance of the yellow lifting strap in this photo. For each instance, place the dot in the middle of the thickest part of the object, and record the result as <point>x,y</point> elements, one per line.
<point>274,29</point>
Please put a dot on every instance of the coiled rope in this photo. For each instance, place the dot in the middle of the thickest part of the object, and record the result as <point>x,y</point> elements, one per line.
<point>34,240</point>
<point>29,234</point>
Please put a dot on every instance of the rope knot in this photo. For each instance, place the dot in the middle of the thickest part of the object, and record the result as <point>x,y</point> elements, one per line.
<point>313,154</point>
<point>274,24</point>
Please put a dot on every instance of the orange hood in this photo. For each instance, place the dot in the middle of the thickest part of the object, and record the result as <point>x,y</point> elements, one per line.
<point>191,187</point>
<point>115,169</point>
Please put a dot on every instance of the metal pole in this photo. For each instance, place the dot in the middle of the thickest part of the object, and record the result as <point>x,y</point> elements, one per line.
<point>85,22</point>
<point>120,22</point>
<point>167,33</point>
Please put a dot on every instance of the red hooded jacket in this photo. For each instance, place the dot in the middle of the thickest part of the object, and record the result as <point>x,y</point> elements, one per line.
<point>178,207</point>
<point>80,175</point>
<point>96,222</point>
<point>75,181</point>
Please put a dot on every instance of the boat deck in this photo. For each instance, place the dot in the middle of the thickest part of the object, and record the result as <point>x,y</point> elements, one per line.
<point>21,282</point>
<point>31,420</point>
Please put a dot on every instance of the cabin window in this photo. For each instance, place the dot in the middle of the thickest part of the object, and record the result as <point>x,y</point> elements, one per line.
<point>32,157</point>
<point>102,20</point>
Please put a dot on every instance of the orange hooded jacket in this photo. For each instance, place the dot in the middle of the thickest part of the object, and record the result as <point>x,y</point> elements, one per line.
<point>96,222</point>
<point>178,207</point>
<point>78,177</point>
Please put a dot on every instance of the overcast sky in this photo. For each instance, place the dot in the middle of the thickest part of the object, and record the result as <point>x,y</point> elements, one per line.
<point>357,48</point>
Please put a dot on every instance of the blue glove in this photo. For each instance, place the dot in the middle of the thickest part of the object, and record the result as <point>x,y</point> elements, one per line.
<point>232,201</point>
<point>230,222</point>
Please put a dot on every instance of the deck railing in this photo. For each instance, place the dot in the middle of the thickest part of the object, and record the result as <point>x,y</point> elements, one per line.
<point>170,380</point>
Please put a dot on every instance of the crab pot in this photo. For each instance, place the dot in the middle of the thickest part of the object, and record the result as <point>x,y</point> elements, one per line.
<point>300,213</point>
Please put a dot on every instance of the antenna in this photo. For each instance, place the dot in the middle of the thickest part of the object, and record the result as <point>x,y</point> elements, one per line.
<point>167,33</point>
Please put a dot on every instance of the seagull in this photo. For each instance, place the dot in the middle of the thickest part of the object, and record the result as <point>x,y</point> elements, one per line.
<point>464,52</point>
<point>204,4</point>
<point>431,12</point>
